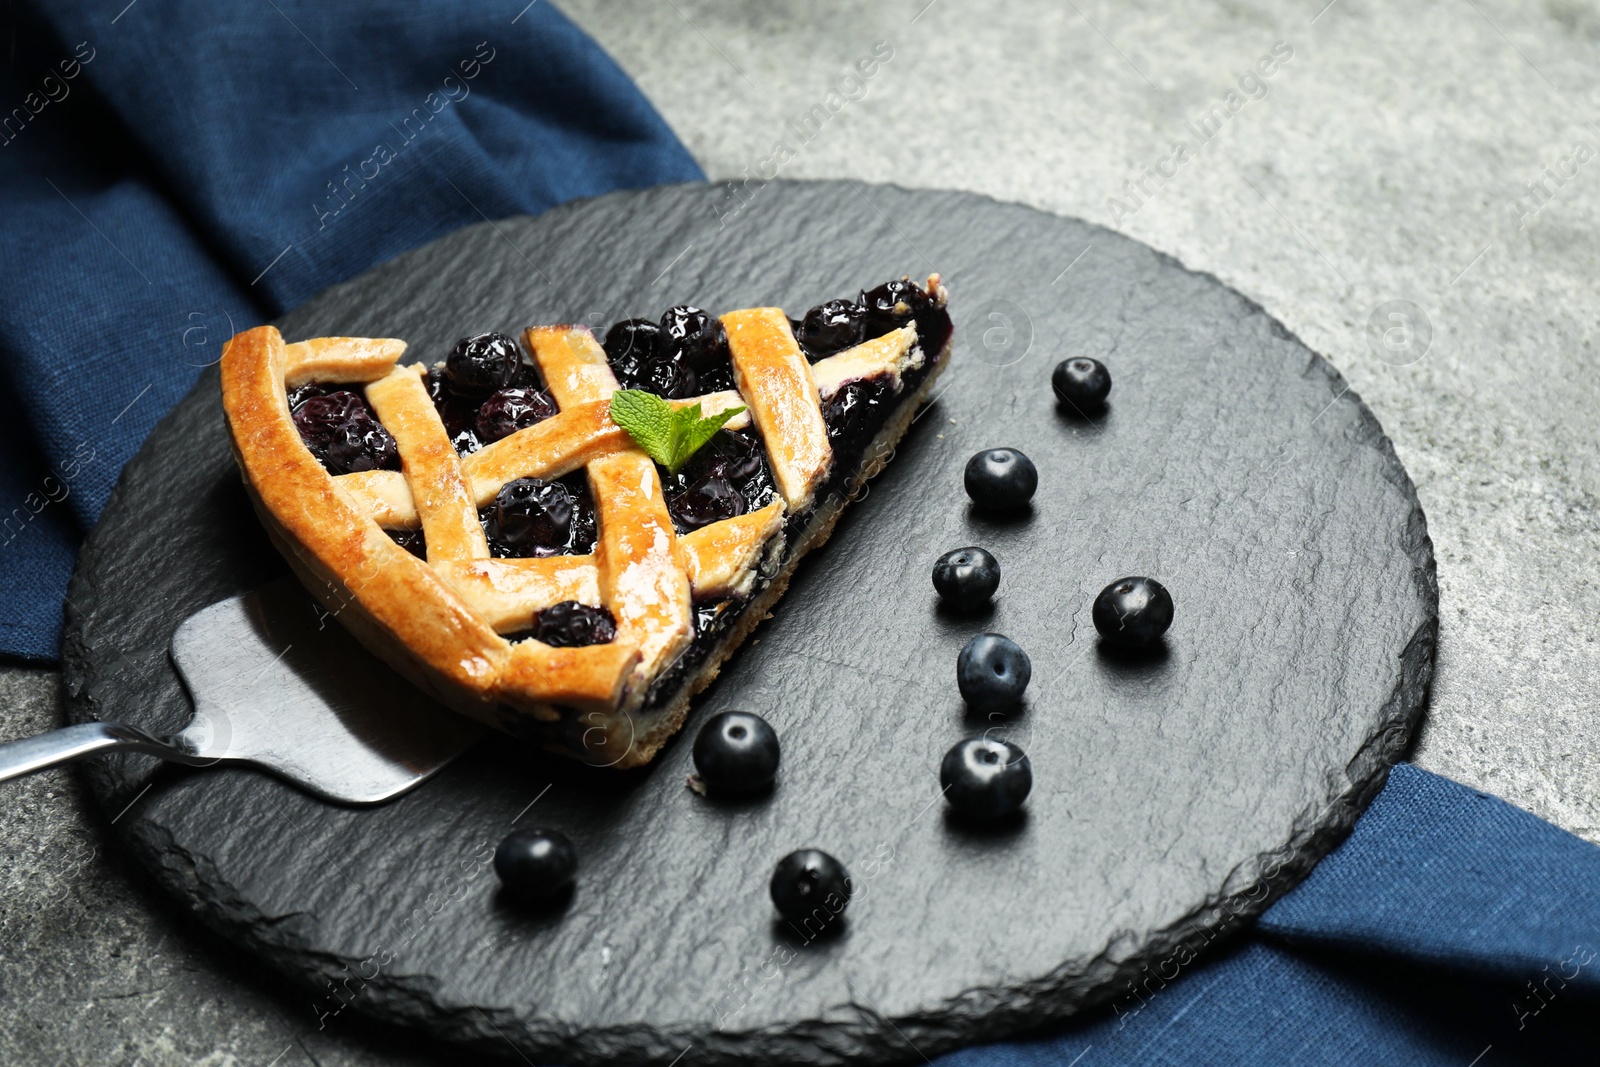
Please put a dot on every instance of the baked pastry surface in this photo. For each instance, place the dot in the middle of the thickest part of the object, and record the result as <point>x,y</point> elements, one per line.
<point>459,618</point>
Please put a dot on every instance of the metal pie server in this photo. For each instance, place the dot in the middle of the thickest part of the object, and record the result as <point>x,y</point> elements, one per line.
<point>277,682</point>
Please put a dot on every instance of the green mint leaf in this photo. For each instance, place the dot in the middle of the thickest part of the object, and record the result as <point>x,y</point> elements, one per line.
<point>649,420</point>
<point>696,431</point>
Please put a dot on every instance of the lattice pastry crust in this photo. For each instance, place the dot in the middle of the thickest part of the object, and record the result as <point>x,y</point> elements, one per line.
<point>441,621</point>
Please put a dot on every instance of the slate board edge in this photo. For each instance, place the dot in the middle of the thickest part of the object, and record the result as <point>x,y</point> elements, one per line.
<point>854,1032</point>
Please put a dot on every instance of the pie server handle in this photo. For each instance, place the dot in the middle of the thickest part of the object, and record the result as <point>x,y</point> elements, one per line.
<point>69,743</point>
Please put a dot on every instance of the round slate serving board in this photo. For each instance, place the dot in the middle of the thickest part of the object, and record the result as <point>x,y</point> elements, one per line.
<point>1173,796</point>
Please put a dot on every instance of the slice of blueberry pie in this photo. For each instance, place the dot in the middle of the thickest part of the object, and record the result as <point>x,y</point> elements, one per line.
<point>565,538</point>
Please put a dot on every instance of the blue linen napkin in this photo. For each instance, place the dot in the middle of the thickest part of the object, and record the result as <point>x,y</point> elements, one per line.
<point>1450,929</point>
<point>174,170</point>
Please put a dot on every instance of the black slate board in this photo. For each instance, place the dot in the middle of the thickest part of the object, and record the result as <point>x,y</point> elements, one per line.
<point>1173,797</point>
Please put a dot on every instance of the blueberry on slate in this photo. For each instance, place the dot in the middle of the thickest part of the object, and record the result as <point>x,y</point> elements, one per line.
<point>810,889</point>
<point>570,624</point>
<point>992,672</point>
<point>510,410</point>
<point>736,752</point>
<point>344,435</point>
<point>986,778</point>
<point>966,577</point>
<point>535,864</point>
<point>1001,479</point>
<point>479,365</point>
<point>1133,613</point>
<point>1082,382</point>
<point>530,517</point>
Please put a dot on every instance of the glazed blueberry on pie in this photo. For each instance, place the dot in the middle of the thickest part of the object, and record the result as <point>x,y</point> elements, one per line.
<point>490,529</point>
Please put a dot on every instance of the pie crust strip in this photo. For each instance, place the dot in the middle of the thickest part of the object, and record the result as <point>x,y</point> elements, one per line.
<point>339,359</point>
<point>642,579</point>
<point>775,380</point>
<point>508,592</point>
<point>433,470</point>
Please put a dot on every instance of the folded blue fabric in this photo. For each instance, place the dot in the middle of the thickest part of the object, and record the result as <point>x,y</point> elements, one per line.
<point>177,170</point>
<point>1450,929</point>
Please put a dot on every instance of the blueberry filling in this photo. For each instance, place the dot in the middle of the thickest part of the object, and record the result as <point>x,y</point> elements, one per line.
<point>484,391</point>
<point>892,305</point>
<point>726,478</point>
<point>833,326</point>
<point>570,624</point>
<point>342,432</point>
<point>305,392</point>
<point>410,540</point>
<point>830,328</point>
<point>684,355</point>
<point>459,414</point>
<point>854,414</point>
<point>697,341</point>
<point>479,365</point>
<point>511,409</point>
<point>534,517</point>
<point>630,345</point>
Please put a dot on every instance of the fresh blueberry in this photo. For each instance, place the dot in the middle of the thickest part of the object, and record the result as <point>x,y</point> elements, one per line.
<point>1133,613</point>
<point>1082,382</point>
<point>535,865</point>
<point>1001,479</point>
<point>479,365</point>
<point>570,624</point>
<point>992,672</point>
<point>810,889</point>
<point>986,778</point>
<point>510,410</point>
<point>966,577</point>
<point>736,752</point>
<point>832,327</point>
<point>530,517</point>
<point>344,435</point>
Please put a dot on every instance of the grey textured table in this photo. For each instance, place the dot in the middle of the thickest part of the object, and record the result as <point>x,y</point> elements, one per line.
<point>1389,159</point>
